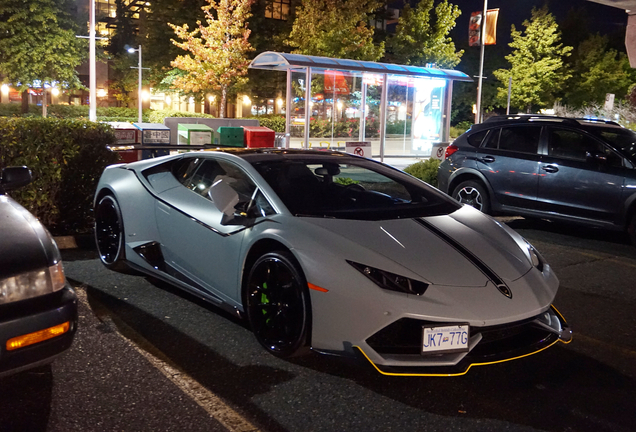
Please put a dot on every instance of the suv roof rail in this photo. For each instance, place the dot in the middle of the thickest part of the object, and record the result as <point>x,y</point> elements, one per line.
<point>547,117</point>
<point>597,120</point>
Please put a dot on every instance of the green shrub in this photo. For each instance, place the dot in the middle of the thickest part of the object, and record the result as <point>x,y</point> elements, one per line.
<point>157,116</point>
<point>76,112</point>
<point>275,123</point>
<point>9,110</point>
<point>459,129</point>
<point>397,127</point>
<point>66,158</point>
<point>425,170</point>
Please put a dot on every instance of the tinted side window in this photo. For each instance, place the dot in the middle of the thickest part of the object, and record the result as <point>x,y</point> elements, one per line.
<point>572,144</point>
<point>493,139</point>
<point>476,139</point>
<point>523,139</point>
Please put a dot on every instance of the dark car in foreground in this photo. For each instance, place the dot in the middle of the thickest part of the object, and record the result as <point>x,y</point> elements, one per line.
<point>38,308</point>
<point>573,170</point>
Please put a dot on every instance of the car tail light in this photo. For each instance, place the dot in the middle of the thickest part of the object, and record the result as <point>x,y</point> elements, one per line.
<point>450,150</point>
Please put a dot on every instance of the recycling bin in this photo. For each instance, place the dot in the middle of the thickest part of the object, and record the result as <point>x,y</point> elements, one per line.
<point>153,134</point>
<point>258,136</point>
<point>194,134</point>
<point>126,137</point>
<point>230,136</point>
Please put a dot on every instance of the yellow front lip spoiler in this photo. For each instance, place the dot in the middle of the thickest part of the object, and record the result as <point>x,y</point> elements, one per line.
<point>469,366</point>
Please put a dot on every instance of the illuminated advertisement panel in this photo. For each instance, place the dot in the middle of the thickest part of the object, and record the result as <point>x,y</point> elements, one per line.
<point>427,114</point>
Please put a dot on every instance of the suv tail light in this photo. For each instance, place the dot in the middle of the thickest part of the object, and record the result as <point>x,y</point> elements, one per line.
<point>450,150</point>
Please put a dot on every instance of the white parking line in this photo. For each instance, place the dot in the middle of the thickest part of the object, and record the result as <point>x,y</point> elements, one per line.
<point>210,402</point>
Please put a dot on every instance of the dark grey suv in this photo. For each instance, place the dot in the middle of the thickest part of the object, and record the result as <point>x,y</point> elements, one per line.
<point>567,169</point>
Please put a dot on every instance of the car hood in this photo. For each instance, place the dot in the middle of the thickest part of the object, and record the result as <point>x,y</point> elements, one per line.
<point>25,244</point>
<point>464,248</point>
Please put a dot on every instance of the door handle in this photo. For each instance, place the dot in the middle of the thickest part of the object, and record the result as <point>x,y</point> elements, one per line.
<point>486,159</point>
<point>550,168</point>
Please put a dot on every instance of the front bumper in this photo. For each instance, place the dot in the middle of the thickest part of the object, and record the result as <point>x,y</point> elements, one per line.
<point>400,343</point>
<point>34,315</point>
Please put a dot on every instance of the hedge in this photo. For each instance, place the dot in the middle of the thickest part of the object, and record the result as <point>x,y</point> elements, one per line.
<point>66,158</point>
<point>425,170</point>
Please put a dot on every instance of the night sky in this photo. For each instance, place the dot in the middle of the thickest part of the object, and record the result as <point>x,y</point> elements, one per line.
<point>604,19</point>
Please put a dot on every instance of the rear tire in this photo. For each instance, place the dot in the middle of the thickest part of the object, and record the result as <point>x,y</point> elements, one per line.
<point>109,235</point>
<point>278,306</point>
<point>474,194</point>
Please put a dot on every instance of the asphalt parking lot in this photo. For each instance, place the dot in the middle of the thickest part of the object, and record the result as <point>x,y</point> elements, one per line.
<point>148,357</point>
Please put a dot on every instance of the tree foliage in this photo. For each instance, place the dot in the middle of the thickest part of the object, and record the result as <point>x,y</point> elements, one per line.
<point>537,63</point>
<point>156,35</point>
<point>38,44</point>
<point>422,35</point>
<point>336,28</point>
<point>597,70</point>
<point>217,59</point>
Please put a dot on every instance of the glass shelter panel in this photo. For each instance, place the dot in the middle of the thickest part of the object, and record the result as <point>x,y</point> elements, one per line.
<point>428,120</point>
<point>335,108</point>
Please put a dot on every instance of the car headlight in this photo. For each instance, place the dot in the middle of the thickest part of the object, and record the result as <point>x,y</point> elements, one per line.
<point>535,257</point>
<point>32,284</point>
<point>391,281</point>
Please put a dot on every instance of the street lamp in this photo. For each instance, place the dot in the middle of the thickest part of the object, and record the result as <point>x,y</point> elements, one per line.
<point>132,50</point>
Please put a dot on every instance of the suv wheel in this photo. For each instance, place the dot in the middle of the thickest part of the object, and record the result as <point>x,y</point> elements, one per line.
<point>474,194</point>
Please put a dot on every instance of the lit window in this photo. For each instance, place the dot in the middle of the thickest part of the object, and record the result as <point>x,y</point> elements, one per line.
<point>277,9</point>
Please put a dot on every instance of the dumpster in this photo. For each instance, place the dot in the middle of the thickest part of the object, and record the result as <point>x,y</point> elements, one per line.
<point>153,133</point>
<point>126,135</point>
<point>258,136</point>
<point>231,136</point>
<point>194,134</point>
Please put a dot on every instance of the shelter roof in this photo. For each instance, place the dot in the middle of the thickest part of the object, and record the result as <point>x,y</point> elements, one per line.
<point>271,60</point>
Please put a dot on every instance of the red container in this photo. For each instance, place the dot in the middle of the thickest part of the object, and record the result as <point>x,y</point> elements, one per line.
<point>128,156</point>
<point>258,136</point>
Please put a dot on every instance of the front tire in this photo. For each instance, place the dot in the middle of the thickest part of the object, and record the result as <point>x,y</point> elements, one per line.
<point>109,234</point>
<point>474,194</point>
<point>278,306</point>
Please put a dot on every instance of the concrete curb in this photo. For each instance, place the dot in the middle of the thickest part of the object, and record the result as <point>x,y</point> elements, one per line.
<point>83,241</point>
<point>65,242</point>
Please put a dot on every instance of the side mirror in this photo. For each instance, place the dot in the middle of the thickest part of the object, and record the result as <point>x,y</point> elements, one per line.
<point>14,178</point>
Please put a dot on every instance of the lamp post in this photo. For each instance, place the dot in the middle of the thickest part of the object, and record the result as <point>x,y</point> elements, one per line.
<point>132,50</point>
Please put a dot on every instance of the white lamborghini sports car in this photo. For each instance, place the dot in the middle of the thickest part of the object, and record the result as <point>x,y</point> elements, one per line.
<point>334,253</point>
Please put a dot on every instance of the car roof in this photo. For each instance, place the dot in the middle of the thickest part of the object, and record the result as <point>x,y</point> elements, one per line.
<point>273,154</point>
<point>538,118</point>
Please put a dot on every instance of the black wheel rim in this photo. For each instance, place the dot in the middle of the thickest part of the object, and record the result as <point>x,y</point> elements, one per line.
<point>471,196</point>
<point>276,306</point>
<point>108,231</point>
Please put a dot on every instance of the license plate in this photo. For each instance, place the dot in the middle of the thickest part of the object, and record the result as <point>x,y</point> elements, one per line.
<point>445,339</point>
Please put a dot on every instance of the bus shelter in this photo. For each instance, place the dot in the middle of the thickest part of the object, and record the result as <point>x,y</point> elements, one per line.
<point>400,110</point>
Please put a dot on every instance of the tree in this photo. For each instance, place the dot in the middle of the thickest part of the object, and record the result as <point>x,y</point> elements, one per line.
<point>537,63</point>
<point>421,38</point>
<point>156,35</point>
<point>38,46</point>
<point>336,28</point>
<point>218,61</point>
<point>597,70</point>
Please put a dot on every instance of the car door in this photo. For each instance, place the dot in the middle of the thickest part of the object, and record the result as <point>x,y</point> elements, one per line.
<point>509,160</point>
<point>580,176</point>
<point>201,250</point>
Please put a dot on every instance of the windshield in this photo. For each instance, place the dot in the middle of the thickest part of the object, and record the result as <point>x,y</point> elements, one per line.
<point>620,139</point>
<point>361,190</point>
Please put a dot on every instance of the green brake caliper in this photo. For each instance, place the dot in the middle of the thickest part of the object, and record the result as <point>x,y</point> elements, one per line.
<point>264,300</point>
